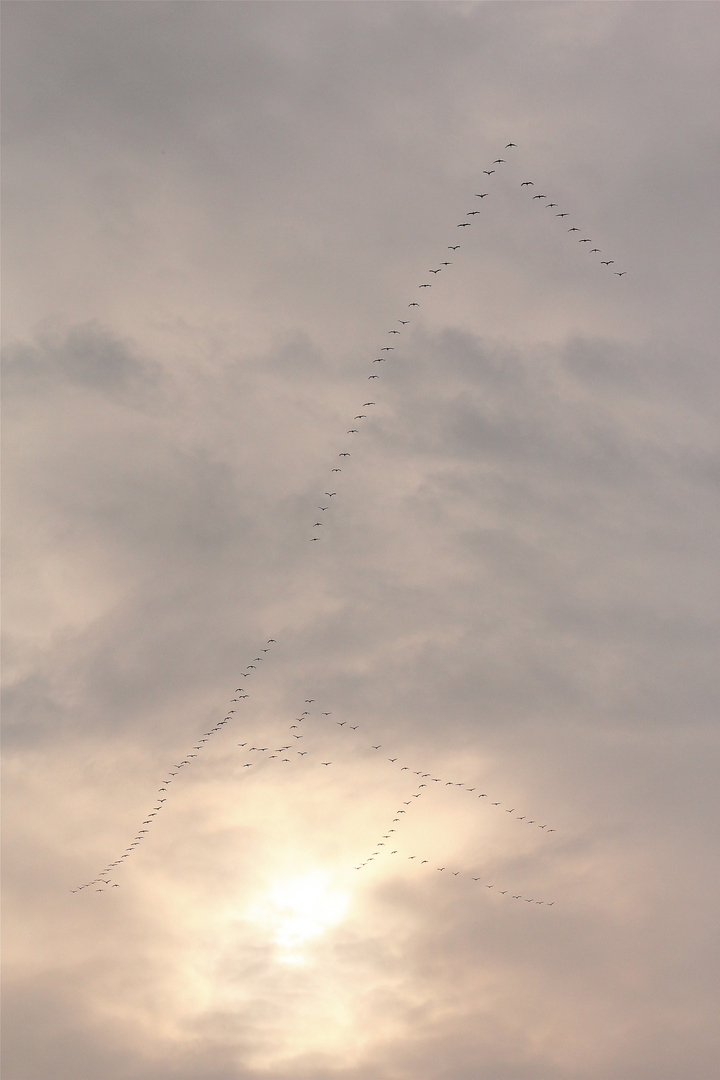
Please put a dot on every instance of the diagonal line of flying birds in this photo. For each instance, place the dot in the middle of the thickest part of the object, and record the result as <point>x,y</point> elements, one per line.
<point>561,215</point>
<point>425,777</point>
<point>324,504</point>
<point>171,775</point>
<point>442,265</point>
<point>480,879</point>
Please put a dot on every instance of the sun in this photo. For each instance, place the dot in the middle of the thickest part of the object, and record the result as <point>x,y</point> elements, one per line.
<point>300,909</point>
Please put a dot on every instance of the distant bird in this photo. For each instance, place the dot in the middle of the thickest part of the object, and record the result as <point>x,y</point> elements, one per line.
<point>377,747</point>
<point>438,271</point>
<point>464,225</point>
<point>539,196</point>
<point>453,247</point>
<point>606,262</point>
<point>594,249</point>
<point>483,196</point>
<point>574,229</point>
<point>499,161</point>
<point>510,144</point>
<point>587,240</point>
<point>414,304</point>
<point>390,348</point>
<point>373,376</point>
<point>446,264</point>
<point>471,213</point>
<point>326,762</point>
<point>428,286</point>
<point>404,322</point>
<point>397,331</point>
<point>562,215</point>
<point>368,403</point>
<point>488,172</point>
<point>353,431</point>
<point>527,183</point>
<point>620,273</point>
<point>330,494</point>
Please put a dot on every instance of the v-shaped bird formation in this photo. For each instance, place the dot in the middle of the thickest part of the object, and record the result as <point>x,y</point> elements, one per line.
<point>293,750</point>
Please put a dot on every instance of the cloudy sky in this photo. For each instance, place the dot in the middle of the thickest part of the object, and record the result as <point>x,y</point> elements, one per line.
<point>215,215</point>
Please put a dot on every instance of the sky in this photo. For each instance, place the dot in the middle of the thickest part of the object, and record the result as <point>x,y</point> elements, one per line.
<point>500,618</point>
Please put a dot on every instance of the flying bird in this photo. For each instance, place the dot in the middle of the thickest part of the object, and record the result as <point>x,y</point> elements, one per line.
<point>488,172</point>
<point>527,183</point>
<point>510,144</point>
<point>453,247</point>
<point>483,196</point>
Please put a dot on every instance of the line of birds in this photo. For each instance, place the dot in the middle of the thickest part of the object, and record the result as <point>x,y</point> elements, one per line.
<point>104,878</point>
<point>457,873</point>
<point>443,264</point>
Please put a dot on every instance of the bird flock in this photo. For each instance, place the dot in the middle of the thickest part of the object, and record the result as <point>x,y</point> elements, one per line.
<point>293,749</point>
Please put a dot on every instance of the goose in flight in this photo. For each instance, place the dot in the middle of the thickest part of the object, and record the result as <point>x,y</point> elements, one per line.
<point>606,262</point>
<point>373,376</point>
<point>539,196</point>
<point>397,331</point>
<point>464,225</point>
<point>511,144</point>
<point>562,215</point>
<point>471,213</point>
<point>488,172</point>
<point>428,286</point>
<point>391,348</point>
<point>435,271</point>
<point>587,240</point>
<point>367,404</point>
<point>483,196</point>
<point>499,161</point>
<point>453,247</point>
<point>574,229</point>
<point>527,183</point>
<point>413,303</point>
<point>404,322</point>
<point>593,250</point>
<point>617,274</point>
<point>550,204</point>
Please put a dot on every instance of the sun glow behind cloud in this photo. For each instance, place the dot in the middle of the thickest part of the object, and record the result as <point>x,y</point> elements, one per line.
<point>297,910</point>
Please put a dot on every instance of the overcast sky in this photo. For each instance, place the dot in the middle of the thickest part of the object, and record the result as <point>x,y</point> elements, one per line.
<point>214,216</point>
